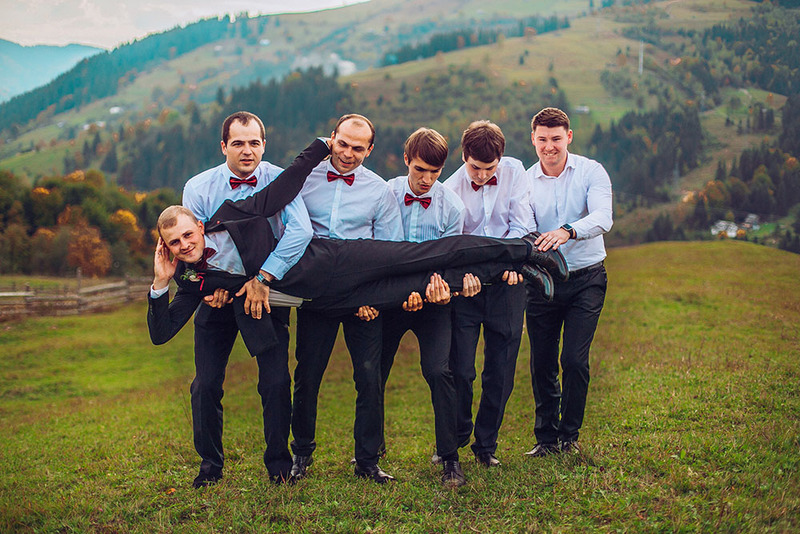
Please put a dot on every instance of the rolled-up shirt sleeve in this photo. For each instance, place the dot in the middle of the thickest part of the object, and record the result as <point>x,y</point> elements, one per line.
<point>599,218</point>
<point>296,235</point>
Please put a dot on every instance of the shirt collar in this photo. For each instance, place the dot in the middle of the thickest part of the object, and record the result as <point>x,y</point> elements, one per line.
<point>571,164</point>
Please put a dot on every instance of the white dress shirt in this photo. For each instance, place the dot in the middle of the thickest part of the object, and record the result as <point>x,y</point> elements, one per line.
<point>581,197</point>
<point>443,217</point>
<point>364,210</point>
<point>501,210</point>
<point>207,191</point>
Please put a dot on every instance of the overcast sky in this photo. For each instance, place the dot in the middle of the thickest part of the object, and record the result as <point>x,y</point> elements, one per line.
<point>109,23</point>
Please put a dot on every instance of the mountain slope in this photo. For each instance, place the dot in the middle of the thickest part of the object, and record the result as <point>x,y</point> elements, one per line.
<point>50,61</point>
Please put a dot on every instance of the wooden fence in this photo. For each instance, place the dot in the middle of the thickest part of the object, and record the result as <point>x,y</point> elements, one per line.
<point>30,303</point>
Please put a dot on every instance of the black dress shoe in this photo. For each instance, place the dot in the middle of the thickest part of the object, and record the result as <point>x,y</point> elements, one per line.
<point>543,449</point>
<point>206,479</point>
<point>487,459</point>
<point>552,260</point>
<point>300,465</point>
<point>373,472</point>
<point>570,447</point>
<point>539,279</point>
<point>452,474</point>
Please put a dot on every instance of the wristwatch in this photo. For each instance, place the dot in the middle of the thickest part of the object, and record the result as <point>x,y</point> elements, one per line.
<point>263,279</point>
<point>570,229</point>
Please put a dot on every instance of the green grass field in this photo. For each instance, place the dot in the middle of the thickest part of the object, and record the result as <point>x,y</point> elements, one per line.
<point>693,423</point>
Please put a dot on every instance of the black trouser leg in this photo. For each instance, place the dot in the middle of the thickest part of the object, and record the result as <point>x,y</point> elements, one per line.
<point>502,332</point>
<point>576,307</point>
<point>466,328</point>
<point>363,340</point>
<point>274,387</point>
<point>214,334</point>
<point>432,327</point>
<point>316,335</point>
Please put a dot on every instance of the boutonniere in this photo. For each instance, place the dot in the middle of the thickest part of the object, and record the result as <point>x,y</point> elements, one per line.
<point>191,275</point>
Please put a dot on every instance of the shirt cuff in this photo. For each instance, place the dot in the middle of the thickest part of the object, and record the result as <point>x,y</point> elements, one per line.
<point>276,267</point>
<point>156,293</point>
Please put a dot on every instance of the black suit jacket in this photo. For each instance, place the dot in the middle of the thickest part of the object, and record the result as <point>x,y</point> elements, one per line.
<point>246,222</point>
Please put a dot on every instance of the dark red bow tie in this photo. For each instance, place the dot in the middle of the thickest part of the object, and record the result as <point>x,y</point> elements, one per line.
<point>202,263</point>
<point>236,182</point>
<point>492,181</point>
<point>423,201</point>
<point>348,178</point>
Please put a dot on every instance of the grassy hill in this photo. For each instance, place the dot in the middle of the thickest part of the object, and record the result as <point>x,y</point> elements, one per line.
<point>692,423</point>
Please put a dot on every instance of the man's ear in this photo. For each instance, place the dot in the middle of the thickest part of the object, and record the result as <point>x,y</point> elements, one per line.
<point>224,148</point>
<point>202,227</point>
<point>463,158</point>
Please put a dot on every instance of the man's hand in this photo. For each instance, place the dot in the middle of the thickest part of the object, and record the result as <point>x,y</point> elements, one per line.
<point>367,313</point>
<point>512,278</point>
<point>552,239</point>
<point>219,299</point>
<point>470,287</point>
<point>257,296</point>
<point>413,303</point>
<point>438,291</point>
<point>163,268</point>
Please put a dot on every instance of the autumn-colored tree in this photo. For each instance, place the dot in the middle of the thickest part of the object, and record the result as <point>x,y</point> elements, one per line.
<point>129,229</point>
<point>88,251</point>
<point>45,204</point>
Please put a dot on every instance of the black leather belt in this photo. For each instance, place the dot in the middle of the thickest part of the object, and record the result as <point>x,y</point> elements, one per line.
<point>585,270</point>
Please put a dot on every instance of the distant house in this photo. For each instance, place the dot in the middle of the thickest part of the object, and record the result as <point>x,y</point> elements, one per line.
<point>727,228</point>
<point>751,222</point>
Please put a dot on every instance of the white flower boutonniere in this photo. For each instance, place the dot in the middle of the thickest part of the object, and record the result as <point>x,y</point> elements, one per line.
<point>190,275</point>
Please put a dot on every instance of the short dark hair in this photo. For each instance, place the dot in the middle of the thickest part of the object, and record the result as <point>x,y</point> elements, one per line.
<point>428,145</point>
<point>550,118</point>
<point>483,141</point>
<point>244,117</point>
<point>359,119</point>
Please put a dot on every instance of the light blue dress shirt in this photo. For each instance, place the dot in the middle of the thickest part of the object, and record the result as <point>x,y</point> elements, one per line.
<point>501,210</point>
<point>206,192</point>
<point>443,217</point>
<point>364,210</point>
<point>581,197</point>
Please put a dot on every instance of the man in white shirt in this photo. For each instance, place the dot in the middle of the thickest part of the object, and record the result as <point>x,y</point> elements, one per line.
<point>571,201</point>
<point>241,175</point>
<point>345,200</point>
<point>494,191</point>
<point>429,211</point>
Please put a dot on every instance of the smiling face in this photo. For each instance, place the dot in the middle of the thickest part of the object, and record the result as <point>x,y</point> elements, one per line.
<point>244,149</point>
<point>478,171</point>
<point>185,239</point>
<point>551,146</point>
<point>351,144</point>
<point>421,175</point>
